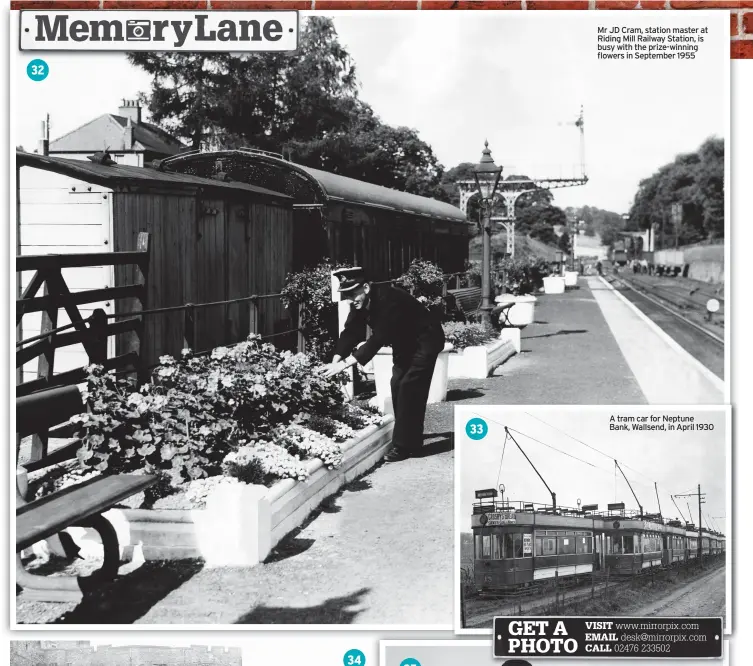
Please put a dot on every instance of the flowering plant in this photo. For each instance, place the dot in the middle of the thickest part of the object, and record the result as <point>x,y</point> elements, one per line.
<point>425,281</point>
<point>311,290</point>
<point>462,335</point>
<point>249,412</point>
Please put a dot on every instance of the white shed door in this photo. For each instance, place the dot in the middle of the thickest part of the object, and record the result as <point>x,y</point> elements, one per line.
<point>60,215</point>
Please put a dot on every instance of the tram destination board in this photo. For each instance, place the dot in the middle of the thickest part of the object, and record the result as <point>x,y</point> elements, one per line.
<point>650,638</point>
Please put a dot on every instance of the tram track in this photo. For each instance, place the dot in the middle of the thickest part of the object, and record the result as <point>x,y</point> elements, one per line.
<point>678,316</point>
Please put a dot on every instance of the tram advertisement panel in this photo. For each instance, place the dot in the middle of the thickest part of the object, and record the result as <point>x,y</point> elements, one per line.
<point>618,637</point>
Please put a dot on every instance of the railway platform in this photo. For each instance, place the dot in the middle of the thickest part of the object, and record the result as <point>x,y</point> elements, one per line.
<point>592,346</point>
<point>381,552</point>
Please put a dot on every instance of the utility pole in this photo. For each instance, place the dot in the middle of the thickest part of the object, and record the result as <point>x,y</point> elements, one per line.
<point>700,524</point>
<point>701,500</point>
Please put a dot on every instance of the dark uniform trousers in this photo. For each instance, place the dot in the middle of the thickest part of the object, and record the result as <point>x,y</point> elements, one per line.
<point>416,337</point>
<point>410,384</point>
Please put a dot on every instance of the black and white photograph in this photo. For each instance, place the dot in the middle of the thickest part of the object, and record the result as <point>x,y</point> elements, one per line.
<point>101,653</point>
<point>603,511</point>
<point>252,287</point>
<point>462,652</point>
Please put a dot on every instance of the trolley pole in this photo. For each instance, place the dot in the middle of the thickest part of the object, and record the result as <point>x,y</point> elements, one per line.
<point>700,527</point>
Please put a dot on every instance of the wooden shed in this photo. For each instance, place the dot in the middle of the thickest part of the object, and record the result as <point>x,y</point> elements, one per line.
<point>345,219</point>
<point>210,241</point>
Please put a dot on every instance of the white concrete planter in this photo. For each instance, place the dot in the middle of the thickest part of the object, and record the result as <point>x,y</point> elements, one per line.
<point>242,523</point>
<point>383,375</point>
<point>478,362</point>
<point>571,278</point>
<point>554,285</point>
<point>519,315</point>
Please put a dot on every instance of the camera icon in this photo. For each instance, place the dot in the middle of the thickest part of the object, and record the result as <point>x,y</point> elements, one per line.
<point>138,30</point>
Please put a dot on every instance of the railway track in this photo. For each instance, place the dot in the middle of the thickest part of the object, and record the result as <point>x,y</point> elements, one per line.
<point>481,612</point>
<point>680,316</point>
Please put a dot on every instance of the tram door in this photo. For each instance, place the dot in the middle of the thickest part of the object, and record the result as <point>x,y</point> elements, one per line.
<point>598,552</point>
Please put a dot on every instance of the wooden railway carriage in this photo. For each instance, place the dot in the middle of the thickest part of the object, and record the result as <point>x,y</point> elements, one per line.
<point>517,544</point>
<point>344,219</point>
<point>210,241</point>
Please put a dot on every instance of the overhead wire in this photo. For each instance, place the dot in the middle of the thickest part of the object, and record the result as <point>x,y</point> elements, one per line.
<point>569,455</point>
<point>593,448</point>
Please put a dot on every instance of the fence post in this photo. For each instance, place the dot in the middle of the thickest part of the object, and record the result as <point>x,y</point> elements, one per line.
<point>98,325</point>
<point>142,245</point>
<point>606,586</point>
<point>189,327</point>
<point>45,369</point>
<point>556,592</point>
<point>253,324</point>
<point>301,337</point>
<point>592,585</point>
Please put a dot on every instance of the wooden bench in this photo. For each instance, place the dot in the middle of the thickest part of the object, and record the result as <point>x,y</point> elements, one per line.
<point>82,505</point>
<point>467,300</point>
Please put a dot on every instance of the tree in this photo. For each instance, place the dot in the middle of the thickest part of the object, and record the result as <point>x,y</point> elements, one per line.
<point>303,104</point>
<point>254,99</point>
<point>564,243</point>
<point>696,182</point>
<point>543,232</point>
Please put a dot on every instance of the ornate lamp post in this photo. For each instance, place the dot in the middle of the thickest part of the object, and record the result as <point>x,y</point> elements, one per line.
<point>487,175</point>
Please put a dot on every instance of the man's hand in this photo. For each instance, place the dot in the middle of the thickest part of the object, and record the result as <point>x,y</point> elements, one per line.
<point>334,369</point>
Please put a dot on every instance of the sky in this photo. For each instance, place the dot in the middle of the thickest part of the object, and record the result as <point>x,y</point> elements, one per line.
<point>676,461</point>
<point>515,79</point>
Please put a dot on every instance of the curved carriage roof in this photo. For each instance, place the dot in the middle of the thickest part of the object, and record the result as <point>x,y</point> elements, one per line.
<point>270,171</point>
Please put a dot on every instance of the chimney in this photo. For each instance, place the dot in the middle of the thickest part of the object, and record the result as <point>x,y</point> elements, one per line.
<point>128,135</point>
<point>44,141</point>
<point>130,109</point>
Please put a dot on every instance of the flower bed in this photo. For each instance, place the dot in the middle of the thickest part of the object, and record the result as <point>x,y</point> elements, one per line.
<point>479,361</point>
<point>477,350</point>
<point>225,431</point>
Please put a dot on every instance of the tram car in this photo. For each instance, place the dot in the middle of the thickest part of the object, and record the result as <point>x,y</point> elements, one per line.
<point>691,542</point>
<point>635,543</point>
<point>517,544</point>
<point>675,544</point>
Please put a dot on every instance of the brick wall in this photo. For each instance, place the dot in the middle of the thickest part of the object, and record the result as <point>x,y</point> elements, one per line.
<point>740,11</point>
<point>81,653</point>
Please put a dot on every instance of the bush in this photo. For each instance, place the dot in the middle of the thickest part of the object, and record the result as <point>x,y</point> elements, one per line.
<point>425,281</point>
<point>199,409</point>
<point>520,276</point>
<point>462,335</point>
<point>312,290</point>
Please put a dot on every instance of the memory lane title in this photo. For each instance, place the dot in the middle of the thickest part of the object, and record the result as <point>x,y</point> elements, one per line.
<point>158,31</point>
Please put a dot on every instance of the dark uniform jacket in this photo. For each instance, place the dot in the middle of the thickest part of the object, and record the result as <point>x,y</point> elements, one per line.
<point>397,320</point>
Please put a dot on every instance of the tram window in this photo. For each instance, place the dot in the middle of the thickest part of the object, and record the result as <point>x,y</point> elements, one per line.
<point>583,544</point>
<point>546,546</point>
<point>508,545</point>
<point>566,545</point>
<point>497,547</point>
<point>477,547</point>
<point>518,545</point>
<point>628,544</point>
<point>487,547</point>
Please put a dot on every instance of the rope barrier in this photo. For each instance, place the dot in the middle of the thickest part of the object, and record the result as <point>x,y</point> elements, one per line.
<point>179,308</point>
